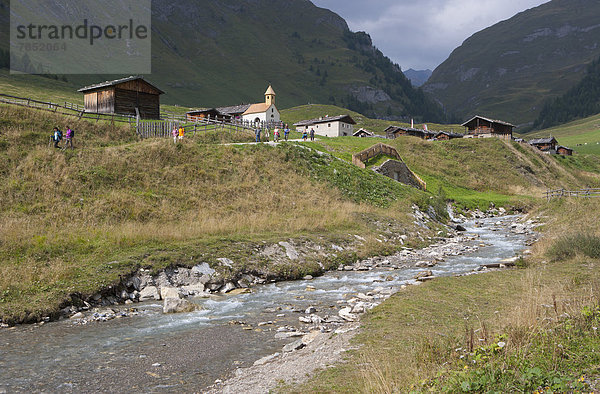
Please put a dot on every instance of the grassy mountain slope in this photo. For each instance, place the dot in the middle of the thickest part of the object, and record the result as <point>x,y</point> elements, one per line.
<point>582,135</point>
<point>509,70</point>
<point>580,101</point>
<point>216,53</point>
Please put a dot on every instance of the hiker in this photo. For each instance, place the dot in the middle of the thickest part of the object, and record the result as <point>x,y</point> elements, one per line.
<point>181,132</point>
<point>69,138</point>
<point>276,135</point>
<point>257,134</point>
<point>56,137</point>
<point>267,134</point>
<point>286,132</point>
<point>304,135</point>
<point>312,134</point>
<point>175,133</point>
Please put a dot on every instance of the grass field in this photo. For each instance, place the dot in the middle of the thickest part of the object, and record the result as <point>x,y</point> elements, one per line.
<point>581,135</point>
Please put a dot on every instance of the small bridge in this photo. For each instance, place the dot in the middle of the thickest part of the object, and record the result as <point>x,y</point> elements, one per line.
<point>582,193</point>
<point>395,169</point>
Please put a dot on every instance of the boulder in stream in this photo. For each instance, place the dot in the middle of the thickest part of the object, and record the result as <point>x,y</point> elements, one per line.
<point>178,305</point>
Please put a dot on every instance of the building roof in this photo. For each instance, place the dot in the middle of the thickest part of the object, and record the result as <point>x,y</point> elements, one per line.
<point>270,91</point>
<point>487,120</point>
<point>117,82</point>
<point>395,129</point>
<point>326,119</point>
<point>540,141</point>
<point>235,109</point>
<point>363,131</point>
<point>563,147</point>
<point>257,108</point>
<point>450,134</point>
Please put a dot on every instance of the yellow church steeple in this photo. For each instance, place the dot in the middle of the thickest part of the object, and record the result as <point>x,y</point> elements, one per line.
<point>270,96</point>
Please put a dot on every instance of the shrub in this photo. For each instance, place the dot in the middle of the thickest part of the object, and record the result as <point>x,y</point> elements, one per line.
<point>572,245</point>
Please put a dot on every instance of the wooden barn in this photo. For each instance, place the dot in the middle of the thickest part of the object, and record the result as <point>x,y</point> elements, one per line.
<point>480,127</point>
<point>123,97</point>
<point>564,151</point>
<point>202,114</point>
<point>447,135</point>
<point>545,144</point>
<point>392,132</point>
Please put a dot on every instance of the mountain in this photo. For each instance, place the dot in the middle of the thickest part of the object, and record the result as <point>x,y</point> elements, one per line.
<point>579,102</point>
<point>223,52</point>
<point>509,70</point>
<point>418,77</point>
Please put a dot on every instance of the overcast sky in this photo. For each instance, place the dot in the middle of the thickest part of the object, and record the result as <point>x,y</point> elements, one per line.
<point>421,34</point>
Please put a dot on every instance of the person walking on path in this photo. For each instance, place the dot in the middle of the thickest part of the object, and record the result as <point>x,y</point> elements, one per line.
<point>257,134</point>
<point>286,132</point>
<point>56,137</point>
<point>69,138</point>
<point>312,134</point>
<point>276,135</point>
<point>175,133</point>
<point>304,135</point>
<point>267,134</point>
<point>181,132</point>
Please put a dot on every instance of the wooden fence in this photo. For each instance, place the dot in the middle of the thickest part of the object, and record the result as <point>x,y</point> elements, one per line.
<point>583,193</point>
<point>68,109</point>
<point>164,128</point>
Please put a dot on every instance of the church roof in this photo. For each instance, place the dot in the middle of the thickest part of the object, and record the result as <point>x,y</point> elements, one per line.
<point>270,91</point>
<point>257,108</point>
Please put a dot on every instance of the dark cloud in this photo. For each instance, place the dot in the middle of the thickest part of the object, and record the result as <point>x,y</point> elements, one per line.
<point>422,33</point>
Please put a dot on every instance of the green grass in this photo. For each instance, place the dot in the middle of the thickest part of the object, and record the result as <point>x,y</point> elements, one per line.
<point>581,135</point>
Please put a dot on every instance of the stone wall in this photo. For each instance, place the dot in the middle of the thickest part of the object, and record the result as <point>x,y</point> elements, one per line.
<point>400,172</point>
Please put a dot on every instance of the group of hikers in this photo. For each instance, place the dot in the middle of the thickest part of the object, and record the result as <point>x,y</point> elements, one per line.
<point>58,136</point>
<point>277,135</point>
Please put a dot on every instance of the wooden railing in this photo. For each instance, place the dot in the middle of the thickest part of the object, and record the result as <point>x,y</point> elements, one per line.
<point>583,193</point>
<point>68,109</point>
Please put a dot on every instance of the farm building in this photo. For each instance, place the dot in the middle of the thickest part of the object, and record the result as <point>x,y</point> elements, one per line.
<point>564,151</point>
<point>328,126</point>
<point>363,133</point>
<point>203,114</point>
<point>265,112</point>
<point>545,144</point>
<point>447,135</point>
<point>126,96</point>
<point>392,132</point>
<point>480,127</point>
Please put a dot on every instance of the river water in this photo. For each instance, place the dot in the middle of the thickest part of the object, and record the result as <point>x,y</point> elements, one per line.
<point>152,352</point>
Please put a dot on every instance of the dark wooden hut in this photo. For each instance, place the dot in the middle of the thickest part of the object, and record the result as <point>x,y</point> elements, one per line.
<point>545,144</point>
<point>124,96</point>
<point>202,114</point>
<point>481,127</point>
<point>563,150</point>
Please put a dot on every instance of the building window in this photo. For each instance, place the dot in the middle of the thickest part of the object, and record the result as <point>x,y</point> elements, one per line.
<point>328,124</point>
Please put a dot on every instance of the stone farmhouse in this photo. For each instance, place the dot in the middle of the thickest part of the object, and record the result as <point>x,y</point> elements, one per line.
<point>328,126</point>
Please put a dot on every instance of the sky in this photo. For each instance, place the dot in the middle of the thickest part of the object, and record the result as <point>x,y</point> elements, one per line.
<point>421,34</point>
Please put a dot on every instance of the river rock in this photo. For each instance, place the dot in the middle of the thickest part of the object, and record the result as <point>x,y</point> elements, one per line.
<point>310,310</point>
<point>193,289</point>
<point>226,262</point>
<point>178,305</point>
<point>228,287</point>
<point>202,270</point>
<point>308,277</point>
<point>149,293</point>
<point>169,292</point>
<point>290,251</point>
<point>266,359</point>
<point>423,274</point>
<point>78,315</point>
<point>305,319</point>
<point>240,291</point>
<point>346,314</point>
<point>290,347</point>
<point>134,283</point>
<point>360,307</point>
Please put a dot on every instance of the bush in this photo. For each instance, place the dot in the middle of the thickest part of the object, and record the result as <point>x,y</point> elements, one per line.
<point>572,245</point>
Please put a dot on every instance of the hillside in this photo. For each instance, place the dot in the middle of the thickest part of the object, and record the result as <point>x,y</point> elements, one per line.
<point>216,53</point>
<point>509,70</point>
<point>418,77</point>
<point>580,101</point>
<point>582,135</point>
